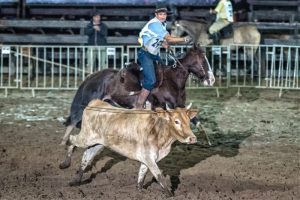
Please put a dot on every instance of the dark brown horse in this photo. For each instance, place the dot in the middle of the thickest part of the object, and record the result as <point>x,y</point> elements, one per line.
<point>110,84</point>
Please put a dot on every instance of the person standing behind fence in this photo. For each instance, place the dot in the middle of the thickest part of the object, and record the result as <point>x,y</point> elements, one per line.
<point>97,33</point>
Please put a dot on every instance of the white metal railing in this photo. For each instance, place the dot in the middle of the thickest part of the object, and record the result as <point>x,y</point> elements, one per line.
<point>65,67</point>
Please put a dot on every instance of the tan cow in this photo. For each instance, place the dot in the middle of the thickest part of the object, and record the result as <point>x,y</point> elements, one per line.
<point>141,135</point>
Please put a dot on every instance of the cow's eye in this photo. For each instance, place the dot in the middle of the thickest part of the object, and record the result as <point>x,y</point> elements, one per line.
<point>177,122</point>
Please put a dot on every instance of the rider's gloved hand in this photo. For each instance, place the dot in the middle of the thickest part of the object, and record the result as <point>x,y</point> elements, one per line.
<point>188,39</point>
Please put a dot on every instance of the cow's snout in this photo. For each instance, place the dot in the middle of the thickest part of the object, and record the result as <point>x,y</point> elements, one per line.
<point>191,140</point>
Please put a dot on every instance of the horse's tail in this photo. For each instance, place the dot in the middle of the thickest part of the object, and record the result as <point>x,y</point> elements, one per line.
<point>91,88</point>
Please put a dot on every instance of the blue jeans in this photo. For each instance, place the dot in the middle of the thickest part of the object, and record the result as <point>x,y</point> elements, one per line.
<point>146,61</point>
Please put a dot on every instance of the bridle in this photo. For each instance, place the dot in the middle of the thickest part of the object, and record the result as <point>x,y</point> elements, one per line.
<point>172,56</point>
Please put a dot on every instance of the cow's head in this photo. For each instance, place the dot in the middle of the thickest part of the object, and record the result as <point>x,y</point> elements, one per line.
<point>179,123</point>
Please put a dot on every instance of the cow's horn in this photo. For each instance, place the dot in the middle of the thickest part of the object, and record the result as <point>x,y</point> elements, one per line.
<point>189,106</point>
<point>168,108</point>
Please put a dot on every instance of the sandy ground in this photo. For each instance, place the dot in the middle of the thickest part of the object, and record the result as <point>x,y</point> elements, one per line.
<point>255,152</point>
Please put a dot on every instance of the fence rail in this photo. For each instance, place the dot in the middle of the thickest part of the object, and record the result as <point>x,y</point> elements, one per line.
<point>65,67</point>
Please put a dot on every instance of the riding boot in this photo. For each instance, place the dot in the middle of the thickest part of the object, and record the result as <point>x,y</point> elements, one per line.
<point>139,104</point>
<point>216,39</point>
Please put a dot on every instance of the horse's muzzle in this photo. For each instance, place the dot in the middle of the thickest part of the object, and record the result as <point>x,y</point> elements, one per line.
<point>210,80</point>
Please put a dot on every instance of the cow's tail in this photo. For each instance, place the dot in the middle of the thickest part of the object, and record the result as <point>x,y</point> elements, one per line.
<point>78,140</point>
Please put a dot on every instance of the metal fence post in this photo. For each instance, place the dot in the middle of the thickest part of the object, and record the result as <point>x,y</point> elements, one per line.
<point>228,65</point>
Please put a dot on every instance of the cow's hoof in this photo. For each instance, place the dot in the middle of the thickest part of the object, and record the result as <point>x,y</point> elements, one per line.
<point>65,164</point>
<point>74,183</point>
<point>140,187</point>
<point>77,180</point>
<point>169,193</point>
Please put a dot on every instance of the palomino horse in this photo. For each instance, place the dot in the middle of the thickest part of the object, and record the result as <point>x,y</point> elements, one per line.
<point>244,34</point>
<point>110,84</point>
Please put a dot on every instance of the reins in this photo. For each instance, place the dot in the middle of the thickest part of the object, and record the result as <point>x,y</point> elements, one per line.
<point>172,54</point>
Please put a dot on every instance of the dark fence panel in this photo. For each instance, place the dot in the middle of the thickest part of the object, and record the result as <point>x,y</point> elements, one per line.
<point>125,2</point>
<point>8,1</point>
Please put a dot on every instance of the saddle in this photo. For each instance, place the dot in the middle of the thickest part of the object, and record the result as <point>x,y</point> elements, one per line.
<point>132,77</point>
<point>226,32</point>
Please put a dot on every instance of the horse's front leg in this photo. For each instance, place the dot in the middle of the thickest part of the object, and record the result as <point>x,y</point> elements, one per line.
<point>201,130</point>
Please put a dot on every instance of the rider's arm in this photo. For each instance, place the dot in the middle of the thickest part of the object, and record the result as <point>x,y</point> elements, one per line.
<point>218,8</point>
<point>172,39</point>
<point>165,34</point>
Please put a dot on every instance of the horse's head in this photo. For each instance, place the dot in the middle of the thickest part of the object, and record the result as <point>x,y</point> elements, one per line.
<point>198,65</point>
<point>197,29</point>
<point>177,30</point>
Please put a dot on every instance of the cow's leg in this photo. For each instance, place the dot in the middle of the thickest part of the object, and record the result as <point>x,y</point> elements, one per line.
<point>87,159</point>
<point>67,162</point>
<point>201,130</point>
<point>67,134</point>
<point>158,176</point>
<point>142,174</point>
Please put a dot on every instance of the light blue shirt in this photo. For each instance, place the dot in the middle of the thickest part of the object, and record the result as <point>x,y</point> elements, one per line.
<point>157,28</point>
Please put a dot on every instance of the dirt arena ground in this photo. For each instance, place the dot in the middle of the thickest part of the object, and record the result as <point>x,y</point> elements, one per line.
<point>255,152</point>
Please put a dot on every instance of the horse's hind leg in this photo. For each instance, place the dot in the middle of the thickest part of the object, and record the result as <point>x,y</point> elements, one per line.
<point>201,130</point>
<point>67,134</point>
<point>87,159</point>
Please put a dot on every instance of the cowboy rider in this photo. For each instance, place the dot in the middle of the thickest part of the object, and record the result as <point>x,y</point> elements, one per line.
<point>153,36</point>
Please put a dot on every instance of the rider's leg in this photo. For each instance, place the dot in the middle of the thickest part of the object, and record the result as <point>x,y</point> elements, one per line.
<point>216,38</point>
<point>215,28</point>
<point>139,104</point>
<point>146,61</point>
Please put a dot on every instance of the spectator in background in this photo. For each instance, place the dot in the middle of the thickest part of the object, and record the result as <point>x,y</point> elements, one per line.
<point>224,17</point>
<point>97,33</point>
<point>241,9</point>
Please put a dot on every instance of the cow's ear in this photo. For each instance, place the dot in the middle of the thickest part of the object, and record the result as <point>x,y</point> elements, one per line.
<point>192,113</point>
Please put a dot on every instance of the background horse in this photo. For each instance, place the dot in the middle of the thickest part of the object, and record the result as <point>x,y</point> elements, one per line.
<point>244,34</point>
<point>109,84</point>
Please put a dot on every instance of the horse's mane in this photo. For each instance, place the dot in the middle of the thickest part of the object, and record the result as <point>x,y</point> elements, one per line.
<point>195,20</point>
<point>196,49</point>
<point>193,28</point>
